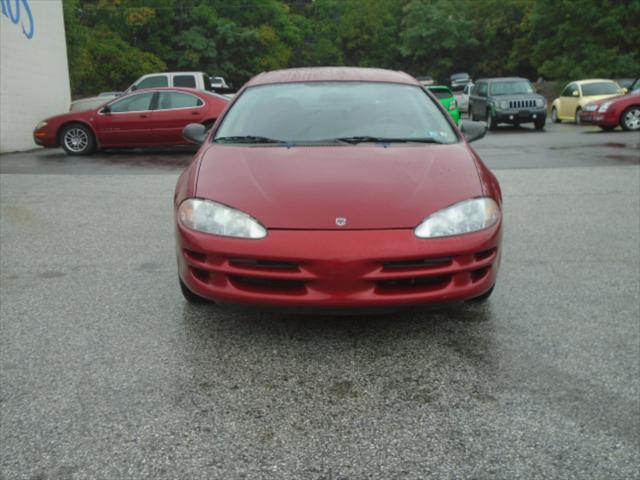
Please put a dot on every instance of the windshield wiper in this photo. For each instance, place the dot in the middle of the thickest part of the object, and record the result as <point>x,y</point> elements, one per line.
<point>248,139</point>
<point>369,139</point>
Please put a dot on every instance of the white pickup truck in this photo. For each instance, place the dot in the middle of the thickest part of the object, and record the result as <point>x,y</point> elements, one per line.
<point>199,80</point>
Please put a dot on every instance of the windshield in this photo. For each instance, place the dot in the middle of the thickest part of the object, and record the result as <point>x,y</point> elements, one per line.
<point>440,94</point>
<point>510,88</point>
<point>600,88</point>
<point>324,111</point>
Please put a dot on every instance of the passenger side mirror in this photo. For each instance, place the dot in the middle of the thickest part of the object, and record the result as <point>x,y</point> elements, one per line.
<point>195,133</point>
<point>473,131</point>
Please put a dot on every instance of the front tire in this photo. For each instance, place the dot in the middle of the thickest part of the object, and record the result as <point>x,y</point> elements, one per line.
<point>578,110</point>
<point>630,119</point>
<point>77,139</point>
<point>539,123</point>
<point>483,298</point>
<point>189,296</point>
<point>554,115</point>
<point>491,120</point>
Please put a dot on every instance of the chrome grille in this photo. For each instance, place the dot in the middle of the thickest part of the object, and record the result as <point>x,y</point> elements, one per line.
<point>522,103</point>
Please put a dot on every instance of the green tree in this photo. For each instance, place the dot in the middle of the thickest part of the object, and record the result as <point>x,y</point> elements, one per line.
<point>436,37</point>
<point>591,38</point>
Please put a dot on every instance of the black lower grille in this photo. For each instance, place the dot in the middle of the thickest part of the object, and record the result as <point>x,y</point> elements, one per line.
<point>267,283</point>
<point>414,282</point>
<point>416,263</point>
<point>262,264</point>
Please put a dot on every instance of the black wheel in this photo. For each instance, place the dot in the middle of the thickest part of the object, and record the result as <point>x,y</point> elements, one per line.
<point>77,139</point>
<point>607,128</point>
<point>539,123</point>
<point>482,298</point>
<point>491,120</point>
<point>578,110</point>
<point>630,119</point>
<point>554,115</point>
<point>189,296</point>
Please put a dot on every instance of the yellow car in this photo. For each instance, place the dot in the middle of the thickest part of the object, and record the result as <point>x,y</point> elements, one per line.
<point>577,94</point>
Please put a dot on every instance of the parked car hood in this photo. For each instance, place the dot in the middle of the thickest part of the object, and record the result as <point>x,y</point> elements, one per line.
<point>308,187</point>
<point>89,103</point>
<point>608,98</point>
<point>594,98</point>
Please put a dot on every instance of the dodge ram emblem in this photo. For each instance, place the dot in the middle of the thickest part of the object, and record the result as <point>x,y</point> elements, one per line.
<point>341,221</point>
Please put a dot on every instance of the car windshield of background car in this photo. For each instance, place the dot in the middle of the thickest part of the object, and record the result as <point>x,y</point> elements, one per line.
<point>511,88</point>
<point>317,111</point>
<point>440,94</point>
<point>600,88</point>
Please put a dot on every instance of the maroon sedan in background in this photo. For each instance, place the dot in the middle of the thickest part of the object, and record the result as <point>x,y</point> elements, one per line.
<point>144,118</point>
<point>611,112</point>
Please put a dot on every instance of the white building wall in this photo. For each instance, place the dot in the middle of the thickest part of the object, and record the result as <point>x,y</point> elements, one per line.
<point>34,74</point>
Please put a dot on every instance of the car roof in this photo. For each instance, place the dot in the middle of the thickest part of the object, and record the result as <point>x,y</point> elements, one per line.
<point>440,87</point>
<point>332,74</point>
<point>501,79</point>
<point>592,80</point>
<point>193,91</point>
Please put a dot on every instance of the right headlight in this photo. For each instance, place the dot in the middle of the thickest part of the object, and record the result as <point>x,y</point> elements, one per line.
<point>464,217</point>
<point>212,217</point>
<point>503,105</point>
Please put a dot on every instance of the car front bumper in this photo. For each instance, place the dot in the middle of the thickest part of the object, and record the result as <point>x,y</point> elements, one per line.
<point>606,119</point>
<point>520,116</point>
<point>339,269</point>
<point>44,138</point>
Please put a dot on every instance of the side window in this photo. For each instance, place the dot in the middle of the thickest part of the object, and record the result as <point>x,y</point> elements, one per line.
<point>134,103</point>
<point>153,82</point>
<point>482,89</point>
<point>567,92</point>
<point>169,100</point>
<point>188,81</point>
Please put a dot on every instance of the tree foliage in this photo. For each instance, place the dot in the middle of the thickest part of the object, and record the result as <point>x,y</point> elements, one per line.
<point>112,42</point>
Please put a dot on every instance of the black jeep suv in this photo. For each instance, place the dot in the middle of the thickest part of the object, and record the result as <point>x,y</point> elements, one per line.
<point>507,100</point>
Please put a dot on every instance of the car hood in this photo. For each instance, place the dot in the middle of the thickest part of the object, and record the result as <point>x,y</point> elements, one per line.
<point>309,187</point>
<point>518,96</point>
<point>595,98</point>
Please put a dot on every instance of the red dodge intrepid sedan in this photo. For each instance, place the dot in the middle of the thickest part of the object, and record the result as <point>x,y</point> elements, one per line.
<point>144,118</point>
<point>340,188</point>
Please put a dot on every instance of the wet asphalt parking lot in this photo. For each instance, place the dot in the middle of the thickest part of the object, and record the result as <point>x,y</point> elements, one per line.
<point>106,373</point>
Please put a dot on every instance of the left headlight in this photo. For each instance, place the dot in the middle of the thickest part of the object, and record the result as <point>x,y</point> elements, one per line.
<point>540,102</point>
<point>212,217</point>
<point>41,125</point>
<point>605,106</point>
<point>464,217</point>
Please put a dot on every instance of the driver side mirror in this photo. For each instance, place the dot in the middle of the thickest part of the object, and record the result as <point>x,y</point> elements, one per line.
<point>575,93</point>
<point>195,133</point>
<point>473,131</point>
<point>133,88</point>
<point>106,110</point>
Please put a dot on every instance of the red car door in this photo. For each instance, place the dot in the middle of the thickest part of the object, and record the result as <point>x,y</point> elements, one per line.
<point>126,121</point>
<point>174,111</point>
